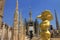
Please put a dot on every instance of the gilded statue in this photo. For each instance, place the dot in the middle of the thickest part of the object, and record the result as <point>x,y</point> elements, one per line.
<point>46,17</point>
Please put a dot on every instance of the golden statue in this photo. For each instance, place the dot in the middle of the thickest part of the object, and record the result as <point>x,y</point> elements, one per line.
<point>46,17</point>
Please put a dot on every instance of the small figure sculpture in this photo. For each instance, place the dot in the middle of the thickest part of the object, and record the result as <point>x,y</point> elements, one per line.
<point>46,17</point>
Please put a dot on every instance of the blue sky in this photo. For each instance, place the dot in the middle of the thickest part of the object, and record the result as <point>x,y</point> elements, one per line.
<point>37,6</point>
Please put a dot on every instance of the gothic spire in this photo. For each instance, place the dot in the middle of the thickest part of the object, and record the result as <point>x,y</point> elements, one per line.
<point>21,28</point>
<point>21,22</point>
<point>16,22</point>
<point>16,4</point>
<point>30,14</point>
<point>16,10</point>
<point>57,23</point>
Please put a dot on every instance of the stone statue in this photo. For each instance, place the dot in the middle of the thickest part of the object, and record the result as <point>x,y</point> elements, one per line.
<point>46,17</point>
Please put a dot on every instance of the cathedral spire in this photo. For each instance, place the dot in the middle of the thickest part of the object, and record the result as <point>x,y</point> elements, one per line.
<point>20,17</point>
<point>30,14</point>
<point>16,15</point>
<point>21,28</point>
<point>16,4</point>
<point>16,10</point>
<point>16,22</point>
<point>57,23</point>
<point>21,20</point>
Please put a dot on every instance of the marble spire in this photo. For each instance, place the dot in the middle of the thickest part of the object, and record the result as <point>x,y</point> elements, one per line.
<point>21,28</point>
<point>57,23</point>
<point>16,22</point>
